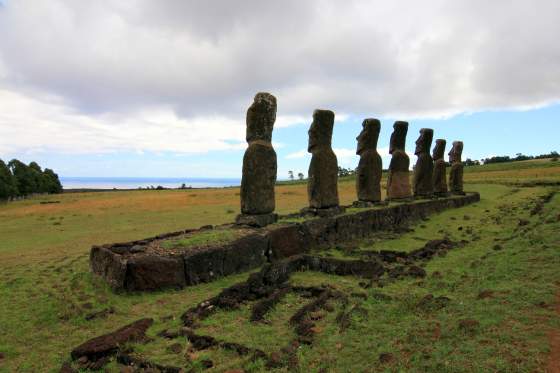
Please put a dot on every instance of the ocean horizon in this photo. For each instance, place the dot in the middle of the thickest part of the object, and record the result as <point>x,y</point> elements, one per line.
<point>69,182</point>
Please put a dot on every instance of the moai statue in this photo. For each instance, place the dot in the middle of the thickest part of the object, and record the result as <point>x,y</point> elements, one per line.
<point>423,172</point>
<point>440,177</point>
<point>370,167</point>
<point>259,164</point>
<point>398,182</point>
<point>456,174</point>
<point>322,188</point>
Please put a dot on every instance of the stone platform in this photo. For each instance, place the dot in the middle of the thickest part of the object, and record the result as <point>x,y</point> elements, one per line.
<point>132,266</point>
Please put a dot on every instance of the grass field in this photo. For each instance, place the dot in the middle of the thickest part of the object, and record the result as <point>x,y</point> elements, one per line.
<point>46,289</point>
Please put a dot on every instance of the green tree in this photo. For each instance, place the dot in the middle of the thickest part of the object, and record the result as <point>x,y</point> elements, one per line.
<point>25,178</point>
<point>51,181</point>
<point>8,186</point>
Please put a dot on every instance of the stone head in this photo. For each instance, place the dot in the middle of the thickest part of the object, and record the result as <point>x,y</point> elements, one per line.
<point>456,152</point>
<point>424,142</point>
<point>367,139</point>
<point>398,137</point>
<point>320,132</point>
<point>261,116</point>
<point>439,149</point>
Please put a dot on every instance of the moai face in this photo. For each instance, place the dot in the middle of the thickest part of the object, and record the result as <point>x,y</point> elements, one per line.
<point>320,132</point>
<point>398,137</point>
<point>439,149</point>
<point>367,139</point>
<point>261,116</point>
<point>424,141</point>
<point>456,152</point>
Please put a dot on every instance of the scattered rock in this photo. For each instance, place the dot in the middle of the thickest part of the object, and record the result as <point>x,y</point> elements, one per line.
<point>468,325</point>
<point>431,303</point>
<point>108,344</point>
<point>386,358</point>
<point>484,294</point>
<point>67,368</point>
<point>523,222</point>
<point>415,271</point>
<point>100,314</point>
<point>207,363</point>
<point>175,348</point>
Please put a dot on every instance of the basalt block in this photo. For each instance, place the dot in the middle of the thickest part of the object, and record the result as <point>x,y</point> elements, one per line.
<point>370,167</point>
<point>398,182</point>
<point>322,188</point>
<point>133,266</point>
<point>423,172</point>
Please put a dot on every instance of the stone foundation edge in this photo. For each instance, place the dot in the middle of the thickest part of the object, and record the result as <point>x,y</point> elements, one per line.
<point>123,270</point>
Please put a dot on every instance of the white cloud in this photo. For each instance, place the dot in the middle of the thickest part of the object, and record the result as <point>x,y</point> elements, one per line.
<point>179,75</point>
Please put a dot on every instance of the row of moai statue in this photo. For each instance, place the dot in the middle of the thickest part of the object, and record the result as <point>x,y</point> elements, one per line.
<point>260,166</point>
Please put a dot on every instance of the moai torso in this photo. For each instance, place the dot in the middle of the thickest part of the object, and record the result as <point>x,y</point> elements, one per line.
<point>456,173</point>
<point>440,178</point>
<point>323,170</point>
<point>423,172</point>
<point>398,183</point>
<point>370,168</point>
<point>259,161</point>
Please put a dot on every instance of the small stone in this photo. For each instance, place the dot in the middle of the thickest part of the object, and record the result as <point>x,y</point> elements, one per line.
<point>66,368</point>
<point>468,325</point>
<point>175,348</point>
<point>415,271</point>
<point>386,357</point>
<point>207,363</point>
<point>484,294</point>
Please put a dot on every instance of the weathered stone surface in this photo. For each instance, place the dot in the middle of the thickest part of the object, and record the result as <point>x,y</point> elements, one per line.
<point>322,188</point>
<point>265,245</point>
<point>244,254</point>
<point>289,240</point>
<point>261,220</point>
<point>423,172</point>
<point>456,173</point>
<point>259,161</point>
<point>440,169</point>
<point>108,264</point>
<point>370,167</point>
<point>154,272</point>
<point>108,344</point>
<point>398,182</point>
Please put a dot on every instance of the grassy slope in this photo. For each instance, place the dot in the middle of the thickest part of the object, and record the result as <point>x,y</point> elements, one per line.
<point>46,288</point>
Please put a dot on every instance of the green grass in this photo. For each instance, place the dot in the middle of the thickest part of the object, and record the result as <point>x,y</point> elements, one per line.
<point>46,288</point>
<point>204,238</point>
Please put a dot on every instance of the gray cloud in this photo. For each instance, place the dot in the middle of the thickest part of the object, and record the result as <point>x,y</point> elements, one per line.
<point>202,59</point>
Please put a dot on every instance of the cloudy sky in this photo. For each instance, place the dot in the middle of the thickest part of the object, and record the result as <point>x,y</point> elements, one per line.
<point>160,88</point>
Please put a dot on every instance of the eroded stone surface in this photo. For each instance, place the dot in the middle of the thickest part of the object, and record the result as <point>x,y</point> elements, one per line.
<point>322,188</point>
<point>370,167</point>
<point>456,173</point>
<point>423,172</point>
<point>440,170</point>
<point>398,182</point>
<point>259,161</point>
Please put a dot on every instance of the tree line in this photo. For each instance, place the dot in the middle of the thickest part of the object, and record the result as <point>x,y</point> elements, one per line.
<point>18,179</point>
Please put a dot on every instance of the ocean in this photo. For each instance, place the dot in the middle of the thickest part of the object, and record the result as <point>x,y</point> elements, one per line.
<point>143,182</point>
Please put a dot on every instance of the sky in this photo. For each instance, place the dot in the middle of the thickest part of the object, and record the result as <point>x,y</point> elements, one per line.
<point>144,88</point>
